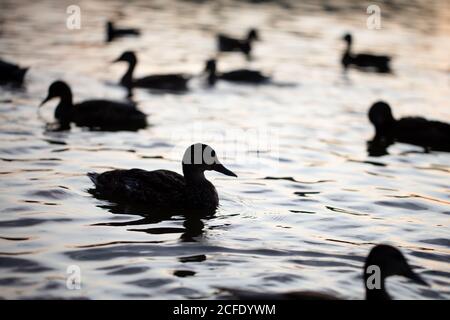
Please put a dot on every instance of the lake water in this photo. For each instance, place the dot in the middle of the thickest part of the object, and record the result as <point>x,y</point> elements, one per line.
<point>309,202</point>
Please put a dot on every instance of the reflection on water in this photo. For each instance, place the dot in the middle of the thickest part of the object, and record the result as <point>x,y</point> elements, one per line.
<point>302,218</point>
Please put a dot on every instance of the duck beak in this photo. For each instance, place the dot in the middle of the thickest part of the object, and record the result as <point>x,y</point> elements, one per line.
<point>415,277</point>
<point>220,168</point>
<point>45,100</point>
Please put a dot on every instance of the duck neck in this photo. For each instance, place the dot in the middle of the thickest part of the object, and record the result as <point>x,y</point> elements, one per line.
<point>193,175</point>
<point>212,76</point>
<point>63,112</point>
<point>377,294</point>
<point>348,49</point>
<point>127,79</point>
<point>385,129</point>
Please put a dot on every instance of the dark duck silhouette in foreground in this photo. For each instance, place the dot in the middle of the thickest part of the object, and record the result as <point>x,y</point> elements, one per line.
<point>11,73</point>
<point>388,259</point>
<point>431,135</point>
<point>243,76</point>
<point>165,82</point>
<point>229,44</point>
<point>113,32</point>
<point>95,114</point>
<point>163,189</point>
<point>364,61</point>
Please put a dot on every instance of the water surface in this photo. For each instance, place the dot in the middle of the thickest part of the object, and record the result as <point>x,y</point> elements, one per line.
<point>309,202</point>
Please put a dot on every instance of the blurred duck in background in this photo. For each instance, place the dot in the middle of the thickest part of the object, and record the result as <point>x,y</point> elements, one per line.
<point>103,115</point>
<point>243,76</point>
<point>388,259</point>
<point>11,73</point>
<point>113,32</point>
<point>364,61</point>
<point>166,82</point>
<point>431,135</point>
<point>226,43</point>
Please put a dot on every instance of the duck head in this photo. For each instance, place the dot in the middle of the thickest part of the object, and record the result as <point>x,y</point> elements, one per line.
<point>253,35</point>
<point>199,158</point>
<point>63,112</point>
<point>380,115</point>
<point>348,38</point>
<point>390,262</point>
<point>130,58</point>
<point>127,56</point>
<point>58,89</point>
<point>210,70</point>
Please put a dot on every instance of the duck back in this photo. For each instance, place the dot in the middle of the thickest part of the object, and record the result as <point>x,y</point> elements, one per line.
<point>243,75</point>
<point>108,115</point>
<point>380,63</point>
<point>157,189</point>
<point>11,73</point>
<point>422,132</point>
<point>169,82</point>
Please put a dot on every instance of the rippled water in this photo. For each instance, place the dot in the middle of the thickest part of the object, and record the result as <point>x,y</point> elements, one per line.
<point>309,202</point>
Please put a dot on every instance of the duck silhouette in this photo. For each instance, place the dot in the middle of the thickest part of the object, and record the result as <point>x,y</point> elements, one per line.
<point>226,43</point>
<point>365,61</point>
<point>431,135</point>
<point>388,259</point>
<point>243,76</point>
<point>11,73</point>
<point>113,32</point>
<point>95,114</point>
<point>164,189</point>
<point>165,82</point>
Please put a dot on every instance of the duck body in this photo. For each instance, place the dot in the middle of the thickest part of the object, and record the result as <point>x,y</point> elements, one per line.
<point>229,44</point>
<point>226,43</point>
<point>365,61</point>
<point>113,32</point>
<point>244,76</point>
<point>108,115</point>
<point>94,114</point>
<point>434,135</point>
<point>163,189</point>
<point>419,131</point>
<point>160,189</point>
<point>11,73</point>
<point>167,82</point>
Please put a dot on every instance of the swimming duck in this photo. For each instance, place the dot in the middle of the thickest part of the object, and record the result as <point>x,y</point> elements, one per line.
<point>432,135</point>
<point>11,73</point>
<point>229,44</point>
<point>240,75</point>
<point>163,189</point>
<point>363,60</point>
<point>389,259</point>
<point>95,114</point>
<point>167,82</point>
<point>114,32</point>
